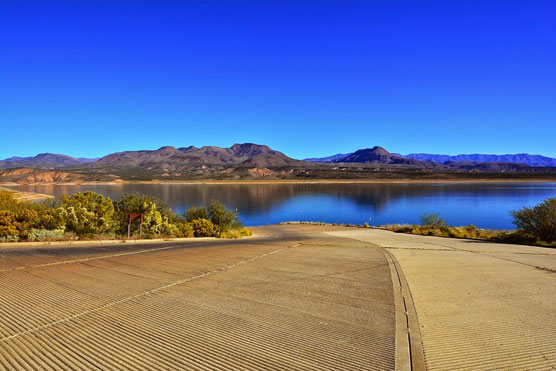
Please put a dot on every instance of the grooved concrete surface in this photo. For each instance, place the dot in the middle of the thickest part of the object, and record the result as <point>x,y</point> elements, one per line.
<point>289,299</point>
<point>480,306</point>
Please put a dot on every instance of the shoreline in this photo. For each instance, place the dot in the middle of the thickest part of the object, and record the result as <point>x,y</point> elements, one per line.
<point>287,181</point>
<point>28,196</point>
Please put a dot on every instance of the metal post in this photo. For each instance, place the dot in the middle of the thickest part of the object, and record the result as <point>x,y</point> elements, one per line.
<point>129,228</point>
<point>131,217</point>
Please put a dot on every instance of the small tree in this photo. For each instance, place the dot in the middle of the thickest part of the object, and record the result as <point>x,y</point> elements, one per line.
<point>195,213</point>
<point>223,219</point>
<point>538,221</point>
<point>432,220</point>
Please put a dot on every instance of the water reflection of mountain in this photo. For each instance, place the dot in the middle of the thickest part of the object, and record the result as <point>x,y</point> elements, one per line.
<point>250,199</point>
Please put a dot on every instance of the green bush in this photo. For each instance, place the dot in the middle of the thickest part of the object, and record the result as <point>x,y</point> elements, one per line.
<point>432,220</point>
<point>236,233</point>
<point>195,213</point>
<point>203,228</point>
<point>9,226</point>
<point>88,214</point>
<point>185,230</point>
<point>223,220</point>
<point>538,221</point>
<point>45,234</point>
<point>8,201</point>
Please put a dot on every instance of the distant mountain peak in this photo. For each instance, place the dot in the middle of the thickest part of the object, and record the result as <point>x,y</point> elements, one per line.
<point>250,149</point>
<point>379,150</point>
<point>188,149</point>
<point>376,154</point>
<point>167,151</point>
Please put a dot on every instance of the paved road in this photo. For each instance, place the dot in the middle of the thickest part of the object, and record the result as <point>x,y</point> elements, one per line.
<point>294,297</point>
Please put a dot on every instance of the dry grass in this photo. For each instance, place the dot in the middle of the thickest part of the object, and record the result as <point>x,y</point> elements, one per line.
<point>236,233</point>
<point>469,232</point>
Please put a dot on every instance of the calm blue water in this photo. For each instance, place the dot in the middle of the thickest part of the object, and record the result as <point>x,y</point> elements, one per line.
<point>486,205</point>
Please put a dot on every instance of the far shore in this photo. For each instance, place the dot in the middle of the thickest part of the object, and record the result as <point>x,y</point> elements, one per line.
<point>290,181</point>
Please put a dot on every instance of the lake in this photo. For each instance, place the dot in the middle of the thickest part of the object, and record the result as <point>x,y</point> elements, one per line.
<point>486,205</point>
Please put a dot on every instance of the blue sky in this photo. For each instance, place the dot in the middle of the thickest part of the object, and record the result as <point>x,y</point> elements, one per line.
<point>308,78</point>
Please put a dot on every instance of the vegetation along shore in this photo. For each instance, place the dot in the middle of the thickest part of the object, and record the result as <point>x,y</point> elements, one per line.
<point>91,216</point>
<point>535,226</point>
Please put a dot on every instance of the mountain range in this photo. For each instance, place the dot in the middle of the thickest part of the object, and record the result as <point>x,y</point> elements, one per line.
<point>174,159</point>
<point>44,161</point>
<point>249,160</point>
<point>520,158</point>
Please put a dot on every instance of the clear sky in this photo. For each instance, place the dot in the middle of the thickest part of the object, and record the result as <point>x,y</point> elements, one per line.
<point>309,78</point>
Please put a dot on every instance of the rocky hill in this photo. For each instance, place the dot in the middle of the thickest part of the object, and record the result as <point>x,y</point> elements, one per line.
<point>246,154</point>
<point>379,155</point>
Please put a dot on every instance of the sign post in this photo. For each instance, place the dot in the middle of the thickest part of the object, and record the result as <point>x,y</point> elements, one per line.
<point>131,217</point>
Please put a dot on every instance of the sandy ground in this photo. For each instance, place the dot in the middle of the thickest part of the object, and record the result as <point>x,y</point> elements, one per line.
<point>296,297</point>
<point>28,196</point>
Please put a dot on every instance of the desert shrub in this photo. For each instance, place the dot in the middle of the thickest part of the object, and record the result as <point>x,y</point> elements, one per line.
<point>35,234</point>
<point>434,232</point>
<point>9,202</point>
<point>195,213</point>
<point>432,220</point>
<point>157,223</point>
<point>417,230</point>
<point>203,228</point>
<point>457,232</point>
<point>222,220</point>
<point>236,233</point>
<point>246,232</point>
<point>50,218</point>
<point>185,230</point>
<point>9,226</point>
<point>471,231</point>
<point>20,218</point>
<point>538,221</point>
<point>88,214</point>
<point>26,219</point>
